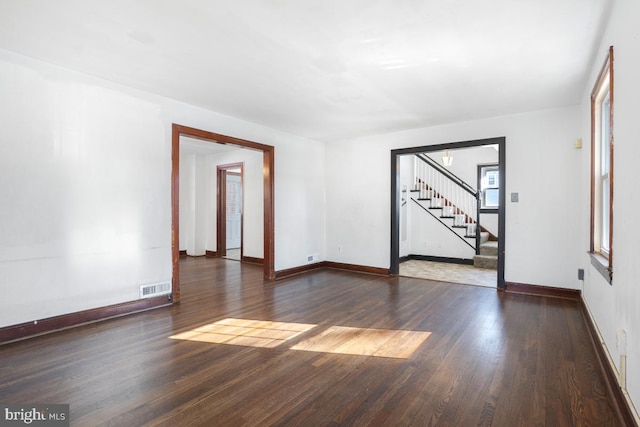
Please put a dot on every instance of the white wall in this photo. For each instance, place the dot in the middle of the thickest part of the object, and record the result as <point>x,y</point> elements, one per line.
<point>192,214</point>
<point>617,306</point>
<point>186,177</point>
<point>300,205</point>
<point>358,193</point>
<point>85,180</point>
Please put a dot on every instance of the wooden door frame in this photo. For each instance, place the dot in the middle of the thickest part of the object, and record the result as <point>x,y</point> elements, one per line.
<point>221,204</point>
<point>396,192</point>
<point>268,166</point>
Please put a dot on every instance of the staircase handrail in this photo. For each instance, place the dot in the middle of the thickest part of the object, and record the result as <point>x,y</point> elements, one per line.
<point>448,174</point>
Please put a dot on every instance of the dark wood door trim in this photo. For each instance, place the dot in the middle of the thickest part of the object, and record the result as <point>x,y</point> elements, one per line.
<point>268,152</point>
<point>221,204</point>
<point>395,199</point>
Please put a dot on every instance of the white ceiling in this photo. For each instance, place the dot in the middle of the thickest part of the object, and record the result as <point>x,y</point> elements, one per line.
<point>324,69</point>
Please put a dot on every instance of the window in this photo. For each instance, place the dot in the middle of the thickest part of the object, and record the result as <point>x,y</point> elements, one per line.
<point>602,170</point>
<point>489,186</point>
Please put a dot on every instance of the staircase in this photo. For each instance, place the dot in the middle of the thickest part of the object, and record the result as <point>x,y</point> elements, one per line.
<point>488,256</point>
<point>457,221</point>
<point>455,204</point>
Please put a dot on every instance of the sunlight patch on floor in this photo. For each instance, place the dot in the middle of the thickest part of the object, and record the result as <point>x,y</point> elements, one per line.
<point>365,342</point>
<point>245,332</point>
<point>399,344</point>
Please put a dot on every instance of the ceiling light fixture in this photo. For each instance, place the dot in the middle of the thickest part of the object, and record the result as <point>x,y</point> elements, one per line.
<point>447,160</point>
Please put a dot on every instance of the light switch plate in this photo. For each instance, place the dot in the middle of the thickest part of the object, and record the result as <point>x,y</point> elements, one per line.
<point>514,197</point>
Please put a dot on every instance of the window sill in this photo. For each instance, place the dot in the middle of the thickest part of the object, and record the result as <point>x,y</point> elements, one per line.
<point>602,266</point>
<point>489,210</point>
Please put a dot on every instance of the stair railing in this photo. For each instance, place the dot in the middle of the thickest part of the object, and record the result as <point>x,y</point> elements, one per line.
<point>444,190</point>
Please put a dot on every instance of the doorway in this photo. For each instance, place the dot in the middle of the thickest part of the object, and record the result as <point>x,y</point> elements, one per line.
<point>229,223</point>
<point>268,166</point>
<point>398,197</point>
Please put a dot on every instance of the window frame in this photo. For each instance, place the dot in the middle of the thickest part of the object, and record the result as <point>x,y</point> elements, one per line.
<point>601,255</point>
<point>483,168</point>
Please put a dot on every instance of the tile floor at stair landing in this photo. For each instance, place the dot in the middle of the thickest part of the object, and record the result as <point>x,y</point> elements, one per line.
<point>446,272</point>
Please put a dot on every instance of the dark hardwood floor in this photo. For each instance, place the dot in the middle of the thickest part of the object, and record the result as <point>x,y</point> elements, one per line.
<point>490,359</point>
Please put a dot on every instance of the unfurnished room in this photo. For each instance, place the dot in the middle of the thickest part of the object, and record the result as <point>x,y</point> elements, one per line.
<point>319,213</point>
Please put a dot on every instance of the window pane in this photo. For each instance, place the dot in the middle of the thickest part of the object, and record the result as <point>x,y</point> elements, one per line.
<point>605,144</point>
<point>492,179</point>
<point>489,186</point>
<point>605,141</point>
<point>605,214</point>
<point>492,197</point>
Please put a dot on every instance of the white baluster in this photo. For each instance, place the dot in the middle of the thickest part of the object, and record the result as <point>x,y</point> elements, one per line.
<point>415,172</point>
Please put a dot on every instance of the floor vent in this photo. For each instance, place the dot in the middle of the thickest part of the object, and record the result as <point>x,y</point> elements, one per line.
<point>155,289</point>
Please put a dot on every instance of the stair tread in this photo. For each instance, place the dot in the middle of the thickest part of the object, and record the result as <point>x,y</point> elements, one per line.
<point>489,262</point>
<point>486,256</point>
<point>489,248</point>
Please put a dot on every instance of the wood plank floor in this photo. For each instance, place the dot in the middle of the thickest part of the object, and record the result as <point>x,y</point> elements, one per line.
<point>481,358</point>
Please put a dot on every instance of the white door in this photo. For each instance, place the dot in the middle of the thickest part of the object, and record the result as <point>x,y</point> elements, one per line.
<point>234,210</point>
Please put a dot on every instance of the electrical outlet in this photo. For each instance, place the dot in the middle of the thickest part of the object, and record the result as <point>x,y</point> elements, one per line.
<point>339,248</point>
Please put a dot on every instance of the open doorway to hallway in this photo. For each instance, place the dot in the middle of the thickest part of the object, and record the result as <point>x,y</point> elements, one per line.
<point>230,206</point>
<point>447,210</point>
<point>266,183</point>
